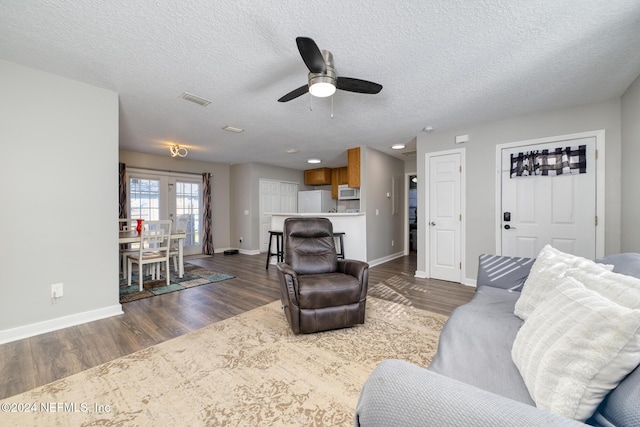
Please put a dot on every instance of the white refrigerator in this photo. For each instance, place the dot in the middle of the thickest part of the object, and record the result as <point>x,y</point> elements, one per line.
<point>315,201</point>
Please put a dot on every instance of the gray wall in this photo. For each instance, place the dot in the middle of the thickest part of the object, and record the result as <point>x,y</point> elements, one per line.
<point>631,168</point>
<point>220,179</point>
<point>480,161</point>
<point>377,176</point>
<point>58,208</point>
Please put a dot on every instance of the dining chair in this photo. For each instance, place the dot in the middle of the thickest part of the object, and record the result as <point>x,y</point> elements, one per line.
<point>126,224</point>
<point>180,227</point>
<point>155,240</point>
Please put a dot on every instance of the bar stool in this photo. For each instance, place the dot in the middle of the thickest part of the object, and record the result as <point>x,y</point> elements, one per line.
<point>279,247</point>
<point>340,245</point>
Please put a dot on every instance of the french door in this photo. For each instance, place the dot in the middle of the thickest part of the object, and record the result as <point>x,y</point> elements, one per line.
<point>156,195</point>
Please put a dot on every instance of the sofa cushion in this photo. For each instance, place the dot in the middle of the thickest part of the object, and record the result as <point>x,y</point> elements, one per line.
<point>575,347</point>
<point>550,266</point>
<point>475,344</point>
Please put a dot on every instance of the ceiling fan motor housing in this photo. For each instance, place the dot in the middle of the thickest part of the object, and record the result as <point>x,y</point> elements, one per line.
<point>328,77</point>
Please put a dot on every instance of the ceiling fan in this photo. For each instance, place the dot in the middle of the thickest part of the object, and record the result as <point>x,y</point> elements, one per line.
<point>323,80</point>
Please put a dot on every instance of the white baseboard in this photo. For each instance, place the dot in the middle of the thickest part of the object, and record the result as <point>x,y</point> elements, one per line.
<point>34,329</point>
<point>388,258</point>
<point>466,281</point>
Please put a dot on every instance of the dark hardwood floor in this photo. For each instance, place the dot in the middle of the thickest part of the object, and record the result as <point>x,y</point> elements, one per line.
<point>35,361</point>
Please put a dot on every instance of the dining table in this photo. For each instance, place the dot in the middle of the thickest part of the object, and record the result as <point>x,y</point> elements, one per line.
<point>132,236</point>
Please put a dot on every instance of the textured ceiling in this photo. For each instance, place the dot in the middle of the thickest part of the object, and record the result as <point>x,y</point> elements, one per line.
<point>443,63</point>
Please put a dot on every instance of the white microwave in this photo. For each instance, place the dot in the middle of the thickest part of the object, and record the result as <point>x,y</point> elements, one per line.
<point>348,193</point>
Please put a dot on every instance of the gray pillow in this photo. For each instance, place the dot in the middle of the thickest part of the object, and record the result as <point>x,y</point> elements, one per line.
<point>503,271</point>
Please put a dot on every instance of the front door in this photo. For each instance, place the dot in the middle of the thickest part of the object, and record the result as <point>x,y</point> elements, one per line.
<point>557,210</point>
<point>445,216</point>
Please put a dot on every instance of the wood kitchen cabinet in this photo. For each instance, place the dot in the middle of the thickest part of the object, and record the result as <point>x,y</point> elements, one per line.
<point>339,176</point>
<point>353,167</point>
<point>318,176</point>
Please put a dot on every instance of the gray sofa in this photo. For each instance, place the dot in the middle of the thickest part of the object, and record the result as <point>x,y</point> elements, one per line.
<point>472,380</point>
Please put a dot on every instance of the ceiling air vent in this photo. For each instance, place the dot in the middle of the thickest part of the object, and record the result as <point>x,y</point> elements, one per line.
<point>409,153</point>
<point>195,99</point>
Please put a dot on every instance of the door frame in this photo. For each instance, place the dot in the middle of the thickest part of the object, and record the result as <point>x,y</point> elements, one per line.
<point>407,176</point>
<point>599,136</point>
<point>463,209</point>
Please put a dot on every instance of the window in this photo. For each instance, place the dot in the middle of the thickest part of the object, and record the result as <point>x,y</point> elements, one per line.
<point>144,198</point>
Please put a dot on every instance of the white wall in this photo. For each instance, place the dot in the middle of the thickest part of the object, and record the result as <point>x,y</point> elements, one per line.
<point>59,202</point>
<point>220,181</point>
<point>631,168</point>
<point>480,161</point>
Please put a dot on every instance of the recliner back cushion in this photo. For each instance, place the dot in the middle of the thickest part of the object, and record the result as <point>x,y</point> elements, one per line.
<point>309,245</point>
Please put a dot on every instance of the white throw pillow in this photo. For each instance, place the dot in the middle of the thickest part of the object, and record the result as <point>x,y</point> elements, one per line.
<point>574,348</point>
<point>619,288</point>
<point>550,266</point>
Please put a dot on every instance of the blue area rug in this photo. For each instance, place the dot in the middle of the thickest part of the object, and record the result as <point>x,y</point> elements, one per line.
<point>194,275</point>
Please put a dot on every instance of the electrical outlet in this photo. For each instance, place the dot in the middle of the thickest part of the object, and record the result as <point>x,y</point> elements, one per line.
<point>393,242</point>
<point>56,290</point>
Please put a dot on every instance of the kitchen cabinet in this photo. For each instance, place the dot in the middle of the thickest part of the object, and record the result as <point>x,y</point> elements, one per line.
<point>339,176</point>
<point>318,176</point>
<point>353,167</point>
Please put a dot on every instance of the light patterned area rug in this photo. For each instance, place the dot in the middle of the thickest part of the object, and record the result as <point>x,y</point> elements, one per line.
<point>248,370</point>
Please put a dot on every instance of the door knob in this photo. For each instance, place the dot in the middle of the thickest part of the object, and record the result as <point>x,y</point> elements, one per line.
<point>432,223</point>
<point>508,227</point>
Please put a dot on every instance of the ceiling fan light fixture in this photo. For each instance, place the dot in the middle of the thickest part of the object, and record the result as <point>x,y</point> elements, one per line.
<point>322,87</point>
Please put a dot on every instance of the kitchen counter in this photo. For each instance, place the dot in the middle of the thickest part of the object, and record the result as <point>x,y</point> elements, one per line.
<point>352,224</point>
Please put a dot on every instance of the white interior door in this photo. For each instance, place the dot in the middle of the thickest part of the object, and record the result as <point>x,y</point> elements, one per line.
<point>445,216</point>
<point>557,210</point>
<point>275,197</point>
<point>269,203</point>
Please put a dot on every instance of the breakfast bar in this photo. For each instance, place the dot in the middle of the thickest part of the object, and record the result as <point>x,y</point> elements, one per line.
<point>352,224</point>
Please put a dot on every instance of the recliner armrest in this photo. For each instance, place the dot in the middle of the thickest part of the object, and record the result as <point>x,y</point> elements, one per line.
<point>352,267</point>
<point>399,393</point>
<point>285,268</point>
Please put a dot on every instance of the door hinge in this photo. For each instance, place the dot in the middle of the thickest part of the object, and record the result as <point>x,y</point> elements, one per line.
<point>460,217</point>
<point>460,169</point>
<point>460,266</point>
<point>596,154</point>
<point>596,221</point>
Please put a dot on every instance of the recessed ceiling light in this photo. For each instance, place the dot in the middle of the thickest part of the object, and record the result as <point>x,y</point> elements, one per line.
<point>428,129</point>
<point>233,129</point>
<point>314,161</point>
<point>397,146</point>
<point>292,151</point>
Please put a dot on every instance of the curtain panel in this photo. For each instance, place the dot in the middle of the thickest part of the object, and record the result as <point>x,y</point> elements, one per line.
<point>122,189</point>
<point>207,235</point>
<point>558,161</point>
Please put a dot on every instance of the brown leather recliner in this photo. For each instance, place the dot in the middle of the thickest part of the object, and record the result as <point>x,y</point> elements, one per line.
<point>318,291</point>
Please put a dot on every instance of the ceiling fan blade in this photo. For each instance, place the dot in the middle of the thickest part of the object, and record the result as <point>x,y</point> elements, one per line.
<point>295,93</point>
<point>311,55</point>
<point>357,85</point>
